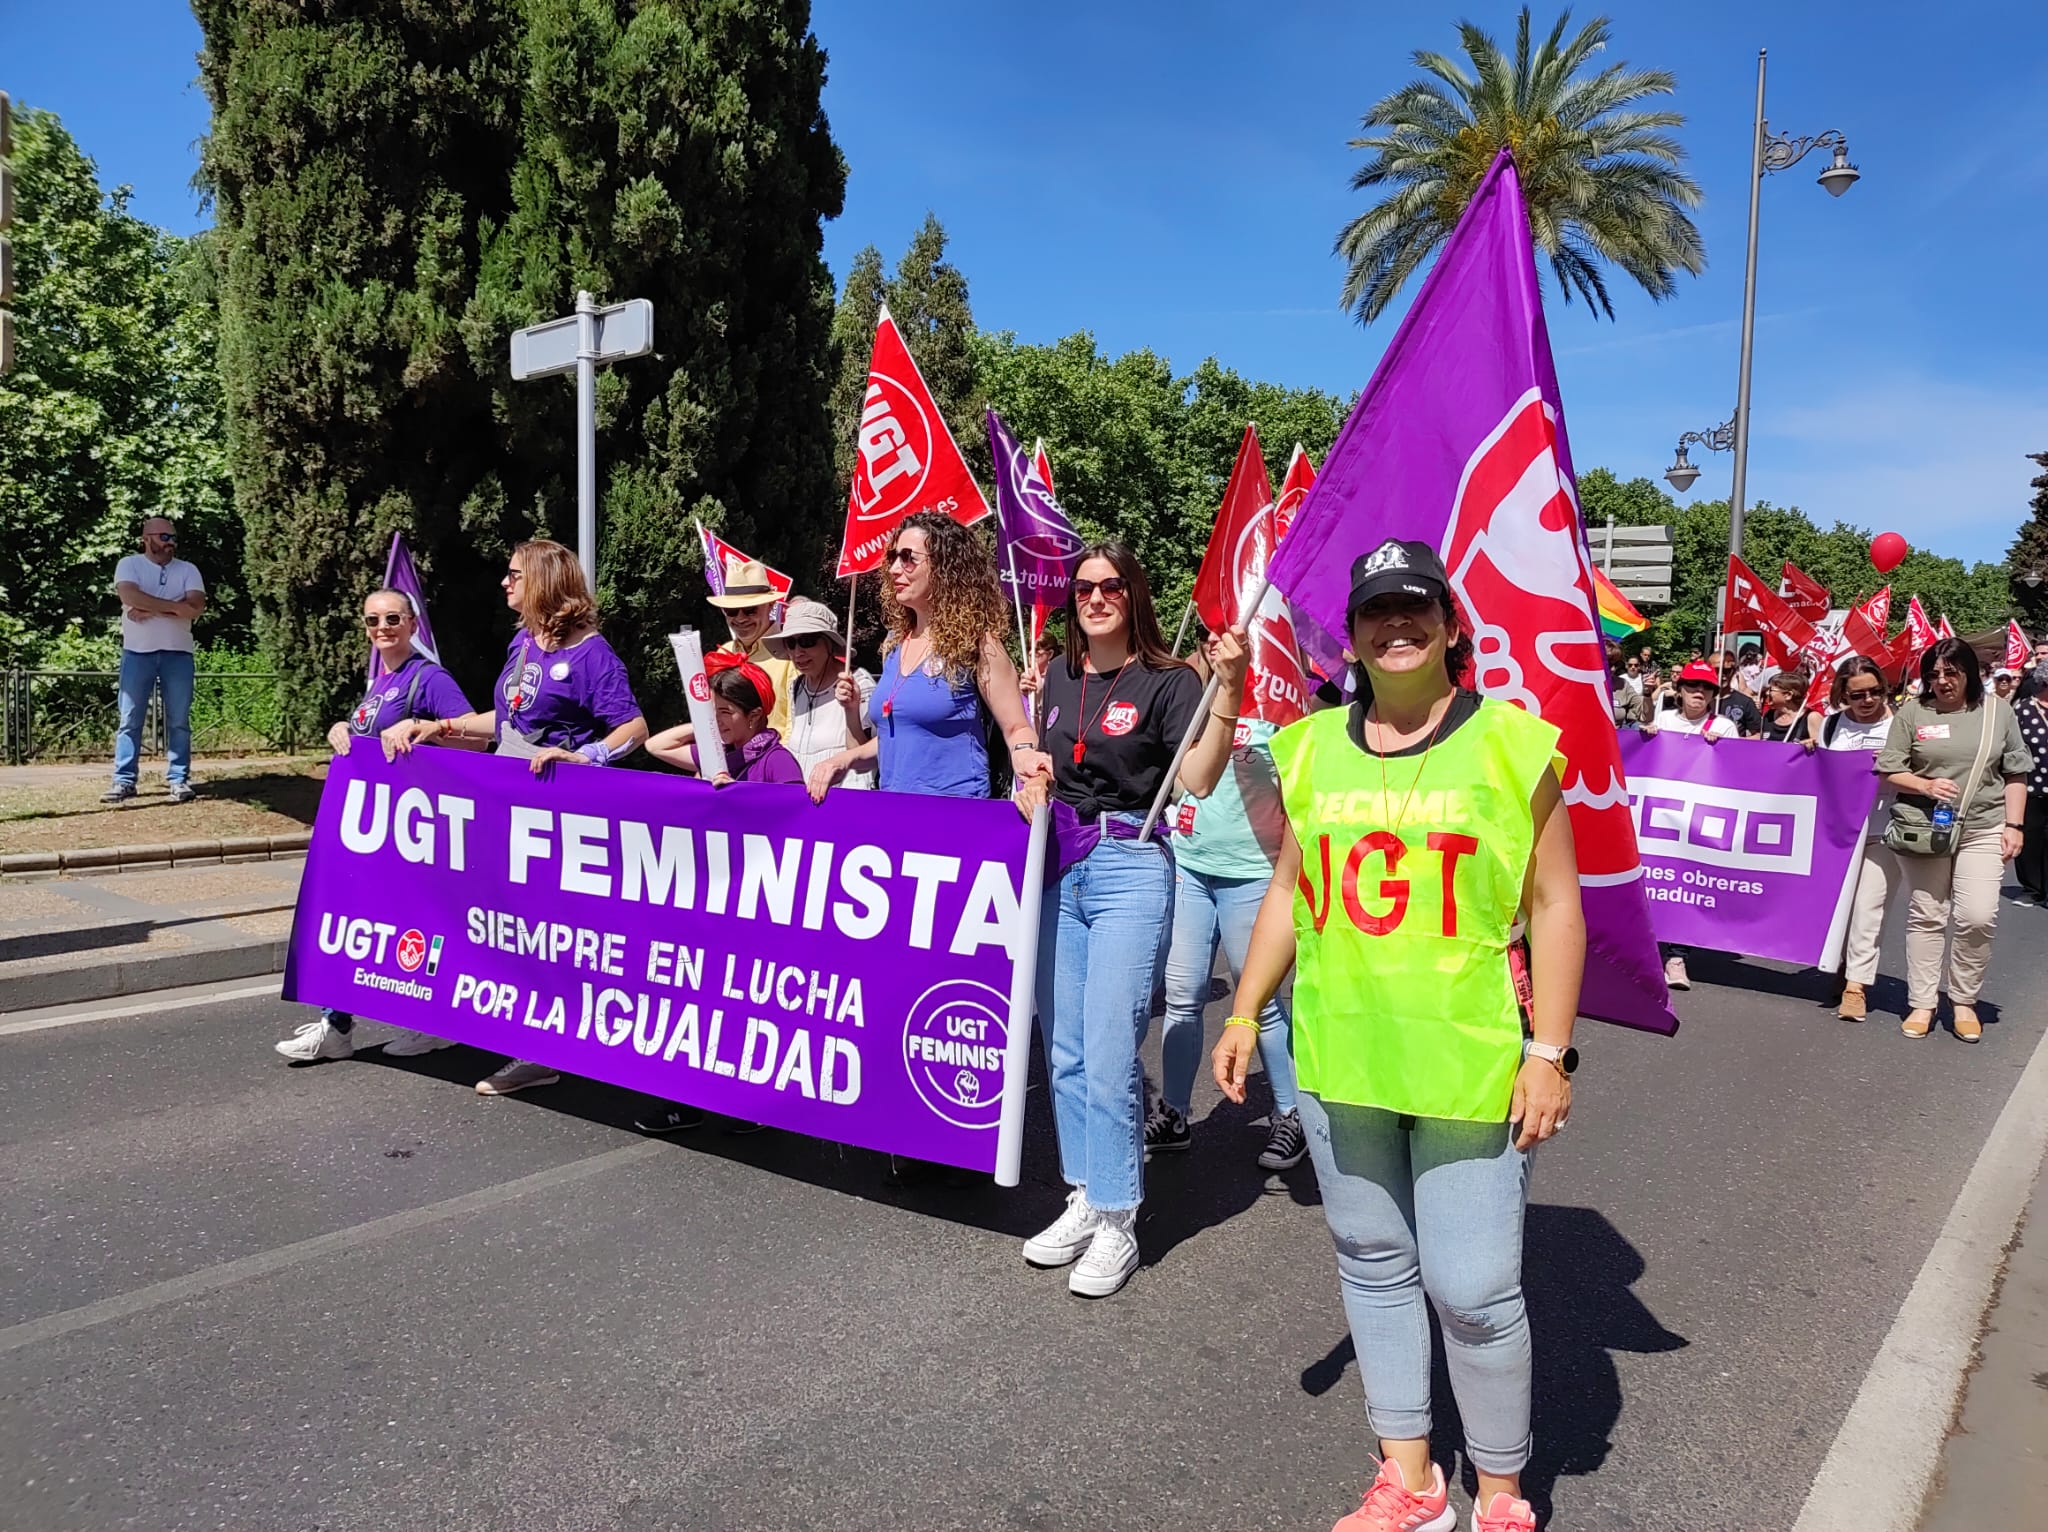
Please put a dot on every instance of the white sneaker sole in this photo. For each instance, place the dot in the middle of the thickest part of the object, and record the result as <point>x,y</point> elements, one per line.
<point>1048,1256</point>
<point>290,1049</point>
<point>1089,1284</point>
<point>492,1088</point>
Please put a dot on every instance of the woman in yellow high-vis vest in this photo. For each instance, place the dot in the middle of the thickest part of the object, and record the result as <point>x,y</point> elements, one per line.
<point>1424,825</point>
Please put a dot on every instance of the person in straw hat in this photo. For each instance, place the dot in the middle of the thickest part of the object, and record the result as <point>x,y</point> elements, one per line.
<point>828,703</point>
<point>748,602</point>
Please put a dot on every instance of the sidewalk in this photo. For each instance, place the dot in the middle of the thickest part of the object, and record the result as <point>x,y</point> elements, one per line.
<point>64,940</point>
<point>1994,1469</point>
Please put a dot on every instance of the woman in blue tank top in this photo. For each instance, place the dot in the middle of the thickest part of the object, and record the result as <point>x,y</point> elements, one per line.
<point>942,666</point>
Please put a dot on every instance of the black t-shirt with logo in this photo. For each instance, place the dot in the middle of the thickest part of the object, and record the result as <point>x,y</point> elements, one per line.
<point>1135,719</point>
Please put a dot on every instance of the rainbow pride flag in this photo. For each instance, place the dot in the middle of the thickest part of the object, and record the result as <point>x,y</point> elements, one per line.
<point>1617,618</point>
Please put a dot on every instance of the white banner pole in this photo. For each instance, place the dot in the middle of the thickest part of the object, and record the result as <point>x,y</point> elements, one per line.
<point>1023,988</point>
<point>1201,719</point>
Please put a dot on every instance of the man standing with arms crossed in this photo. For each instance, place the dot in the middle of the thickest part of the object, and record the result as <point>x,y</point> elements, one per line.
<point>160,595</point>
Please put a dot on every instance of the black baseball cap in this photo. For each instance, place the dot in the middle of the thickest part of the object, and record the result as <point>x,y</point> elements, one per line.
<point>1397,568</point>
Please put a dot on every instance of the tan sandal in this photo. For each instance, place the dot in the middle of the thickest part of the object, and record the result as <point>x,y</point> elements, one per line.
<point>1968,1027</point>
<point>1852,1007</point>
<point>1917,1023</point>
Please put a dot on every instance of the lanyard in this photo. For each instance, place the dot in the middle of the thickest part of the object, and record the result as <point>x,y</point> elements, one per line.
<point>1082,721</point>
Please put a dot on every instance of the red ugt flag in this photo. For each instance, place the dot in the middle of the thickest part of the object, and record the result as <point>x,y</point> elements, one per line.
<point>2017,649</point>
<point>907,460</point>
<point>1233,569</point>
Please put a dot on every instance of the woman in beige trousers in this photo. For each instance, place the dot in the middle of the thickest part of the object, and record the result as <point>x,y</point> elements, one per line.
<point>1862,720</point>
<point>1929,757</point>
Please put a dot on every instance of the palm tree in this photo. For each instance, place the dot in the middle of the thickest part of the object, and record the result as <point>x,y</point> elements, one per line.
<point>1599,175</point>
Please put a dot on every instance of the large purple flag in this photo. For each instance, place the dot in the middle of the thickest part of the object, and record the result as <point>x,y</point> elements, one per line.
<point>1036,545</point>
<point>399,575</point>
<point>1459,442</point>
<point>1749,847</point>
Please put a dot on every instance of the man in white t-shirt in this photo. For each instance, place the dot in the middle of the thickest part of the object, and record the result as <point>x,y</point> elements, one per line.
<point>160,595</point>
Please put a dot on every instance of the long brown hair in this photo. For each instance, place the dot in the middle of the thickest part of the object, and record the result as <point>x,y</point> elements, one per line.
<point>554,603</point>
<point>1147,643</point>
<point>967,602</point>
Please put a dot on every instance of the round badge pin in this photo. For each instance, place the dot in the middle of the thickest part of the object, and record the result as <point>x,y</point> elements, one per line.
<point>559,671</point>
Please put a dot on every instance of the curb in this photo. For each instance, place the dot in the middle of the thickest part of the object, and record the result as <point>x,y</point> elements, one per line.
<point>143,975</point>
<point>107,859</point>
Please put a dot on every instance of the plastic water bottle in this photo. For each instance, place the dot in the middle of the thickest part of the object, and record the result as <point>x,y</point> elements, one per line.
<point>1944,816</point>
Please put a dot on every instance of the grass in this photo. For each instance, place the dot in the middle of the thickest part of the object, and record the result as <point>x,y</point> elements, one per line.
<point>58,809</point>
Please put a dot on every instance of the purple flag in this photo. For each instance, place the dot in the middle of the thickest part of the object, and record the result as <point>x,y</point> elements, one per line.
<point>858,970</point>
<point>1459,441</point>
<point>1749,847</point>
<point>1037,547</point>
<point>399,575</point>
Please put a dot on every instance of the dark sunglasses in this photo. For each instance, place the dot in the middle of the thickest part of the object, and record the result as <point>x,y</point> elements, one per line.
<point>1863,693</point>
<point>805,640</point>
<point>515,574</point>
<point>168,539</point>
<point>1112,588</point>
<point>389,619</point>
<point>907,557</point>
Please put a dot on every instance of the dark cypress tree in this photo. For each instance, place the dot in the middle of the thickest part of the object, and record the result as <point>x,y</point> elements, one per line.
<point>354,149</point>
<point>2029,556</point>
<point>673,150</point>
<point>928,297</point>
<point>853,339</point>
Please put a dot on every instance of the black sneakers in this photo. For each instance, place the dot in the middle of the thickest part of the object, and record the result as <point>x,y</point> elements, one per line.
<point>1286,1144</point>
<point>668,1117</point>
<point>1166,1131</point>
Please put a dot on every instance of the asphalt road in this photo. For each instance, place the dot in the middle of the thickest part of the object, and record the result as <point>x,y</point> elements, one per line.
<point>238,1293</point>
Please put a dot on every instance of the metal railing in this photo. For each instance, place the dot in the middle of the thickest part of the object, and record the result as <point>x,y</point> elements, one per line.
<point>70,715</point>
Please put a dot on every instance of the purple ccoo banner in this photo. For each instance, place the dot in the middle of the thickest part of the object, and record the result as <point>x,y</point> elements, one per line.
<point>858,970</point>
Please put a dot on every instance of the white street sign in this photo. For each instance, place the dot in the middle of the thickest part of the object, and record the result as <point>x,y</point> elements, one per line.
<point>623,330</point>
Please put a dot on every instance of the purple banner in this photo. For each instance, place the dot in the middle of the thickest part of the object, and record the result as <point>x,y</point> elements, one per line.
<point>1037,546</point>
<point>855,970</point>
<point>1748,847</point>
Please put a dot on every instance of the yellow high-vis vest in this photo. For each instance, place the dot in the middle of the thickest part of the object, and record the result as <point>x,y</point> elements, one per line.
<point>1402,995</point>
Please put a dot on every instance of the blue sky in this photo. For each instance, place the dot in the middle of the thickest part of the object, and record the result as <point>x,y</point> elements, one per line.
<point>1173,175</point>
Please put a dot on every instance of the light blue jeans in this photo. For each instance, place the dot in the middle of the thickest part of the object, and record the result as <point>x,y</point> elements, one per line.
<point>1098,952</point>
<point>1432,1208</point>
<point>1206,909</point>
<point>140,674</point>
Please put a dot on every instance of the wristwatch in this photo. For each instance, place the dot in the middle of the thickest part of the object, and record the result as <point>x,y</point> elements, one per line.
<point>1566,1060</point>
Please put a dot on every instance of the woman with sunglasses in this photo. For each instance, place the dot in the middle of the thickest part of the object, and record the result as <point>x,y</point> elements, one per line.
<point>1424,825</point>
<point>828,701</point>
<point>1116,708</point>
<point>1931,756</point>
<point>562,698</point>
<point>1862,720</point>
<point>407,686</point>
<point>944,672</point>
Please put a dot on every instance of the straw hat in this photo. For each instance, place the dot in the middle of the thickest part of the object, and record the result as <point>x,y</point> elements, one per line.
<point>803,615</point>
<point>746,584</point>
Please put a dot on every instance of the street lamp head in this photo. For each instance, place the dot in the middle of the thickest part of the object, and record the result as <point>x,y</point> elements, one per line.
<point>1681,475</point>
<point>2031,579</point>
<point>1841,175</point>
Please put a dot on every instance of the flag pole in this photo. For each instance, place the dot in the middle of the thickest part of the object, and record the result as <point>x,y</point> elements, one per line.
<point>1201,719</point>
<point>852,596</point>
<point>1185,618</point>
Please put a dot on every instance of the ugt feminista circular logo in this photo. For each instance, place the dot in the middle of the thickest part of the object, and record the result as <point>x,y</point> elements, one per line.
<point>953,1044</point>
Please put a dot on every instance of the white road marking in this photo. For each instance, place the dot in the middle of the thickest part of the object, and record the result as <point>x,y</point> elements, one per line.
<point>137,1008</point>
<point>249,1268</point>
<point>1877,1474</point>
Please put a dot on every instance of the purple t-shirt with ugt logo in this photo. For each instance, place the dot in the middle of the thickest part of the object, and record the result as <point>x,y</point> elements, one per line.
<point>432,691</point>
<point>564,697</point>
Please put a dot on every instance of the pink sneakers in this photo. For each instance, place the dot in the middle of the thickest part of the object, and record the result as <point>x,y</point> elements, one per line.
<point>1506,1514</point>
<point>1390,1507</point>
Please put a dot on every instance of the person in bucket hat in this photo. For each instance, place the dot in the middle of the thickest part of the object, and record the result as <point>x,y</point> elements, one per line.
<point>828,703</point>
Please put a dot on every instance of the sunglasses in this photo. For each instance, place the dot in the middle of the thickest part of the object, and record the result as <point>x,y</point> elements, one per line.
<point>1944,673</point>
<point>1112,588</point>
<point>907,557</point>
<point>168,539</point>
<point>389,619</point>
<point>515,574</point>
<point>1864,693</point>
<point>804,640</point>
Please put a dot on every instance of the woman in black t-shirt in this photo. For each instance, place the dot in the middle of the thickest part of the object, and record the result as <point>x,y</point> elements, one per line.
<point>1113,712</point>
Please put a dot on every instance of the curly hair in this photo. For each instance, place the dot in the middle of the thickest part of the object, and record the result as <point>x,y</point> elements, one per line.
<point>966,600</point>
<point>554,603</point>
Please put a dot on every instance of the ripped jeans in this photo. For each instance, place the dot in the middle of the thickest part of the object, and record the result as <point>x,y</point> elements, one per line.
<point>1432,1208</point>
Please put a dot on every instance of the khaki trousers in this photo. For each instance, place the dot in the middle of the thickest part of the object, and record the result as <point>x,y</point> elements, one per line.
<point>1876,881</point>
<point>1961,891</point>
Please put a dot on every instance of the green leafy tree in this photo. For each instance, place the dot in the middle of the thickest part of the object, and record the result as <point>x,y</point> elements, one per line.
<point>111,413</point>
<point>928,299</point>
<point>2029,556</point>
<point>1600,173</point>
<point>677,152</point>
<point>354,151</point>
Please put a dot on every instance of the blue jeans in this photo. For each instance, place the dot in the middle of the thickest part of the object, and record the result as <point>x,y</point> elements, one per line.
<point>1204,909</point>
<point>1434,1208</point>
<point>1097,954</point>
<point>140,674</point>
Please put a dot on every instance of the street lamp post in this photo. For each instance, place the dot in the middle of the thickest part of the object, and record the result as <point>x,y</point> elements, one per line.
<point>1768,153</point>
<point>1681,474</point>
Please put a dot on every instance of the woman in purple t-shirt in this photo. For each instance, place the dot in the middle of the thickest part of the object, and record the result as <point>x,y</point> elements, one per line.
<point>562,696</point>
<point>407,685</point>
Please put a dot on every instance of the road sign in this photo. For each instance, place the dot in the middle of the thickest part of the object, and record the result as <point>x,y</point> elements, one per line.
<point>577,343</point>
<point>624,330</point>
<point>1636,560</point>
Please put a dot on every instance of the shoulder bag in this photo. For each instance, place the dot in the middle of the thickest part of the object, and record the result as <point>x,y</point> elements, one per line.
<point>1929,839</point>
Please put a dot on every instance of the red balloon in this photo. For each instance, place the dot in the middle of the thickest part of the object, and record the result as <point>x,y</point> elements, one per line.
<point>1887,549</point>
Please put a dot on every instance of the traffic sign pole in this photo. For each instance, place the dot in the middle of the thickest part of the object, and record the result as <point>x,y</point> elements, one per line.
<point>586,438</point>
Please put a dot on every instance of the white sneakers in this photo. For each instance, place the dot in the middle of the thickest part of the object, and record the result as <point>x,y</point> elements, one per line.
<point>316,1040</point>
<point>1105,1244</point>
<point>404,1043</point>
